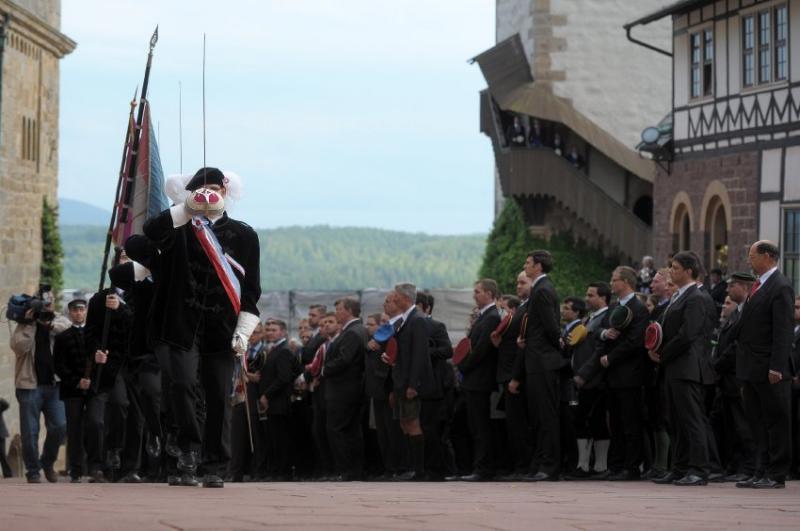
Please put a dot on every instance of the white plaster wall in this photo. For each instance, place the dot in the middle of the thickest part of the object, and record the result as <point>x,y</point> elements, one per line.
<point>621,86</point>
<point>514,16</point>
<point>791,183</point>
<point>771,170</point>
<point>769,226</point>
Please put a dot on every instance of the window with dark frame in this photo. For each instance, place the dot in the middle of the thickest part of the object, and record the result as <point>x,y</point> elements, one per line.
<point>791,246</point>
<point>701,78</point>
<point>748,46</point>
<point>781,43</point>
<point>695,73</point>
<point>765,46</point>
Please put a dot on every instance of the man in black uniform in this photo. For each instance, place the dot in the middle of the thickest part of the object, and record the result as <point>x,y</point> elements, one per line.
<point>73,363</point>
<point>204,308</point>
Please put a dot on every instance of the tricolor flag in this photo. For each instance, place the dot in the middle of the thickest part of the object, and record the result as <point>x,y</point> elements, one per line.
<point>148,197</point>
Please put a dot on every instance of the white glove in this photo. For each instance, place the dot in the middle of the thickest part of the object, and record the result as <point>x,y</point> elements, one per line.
<point>245,325</point>
<point>180,215</point>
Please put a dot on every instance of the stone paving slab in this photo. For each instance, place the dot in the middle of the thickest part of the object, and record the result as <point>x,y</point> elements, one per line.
<point>374,506</point>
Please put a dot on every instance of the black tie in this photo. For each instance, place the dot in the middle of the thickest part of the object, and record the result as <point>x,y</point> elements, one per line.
<point>398,324</point>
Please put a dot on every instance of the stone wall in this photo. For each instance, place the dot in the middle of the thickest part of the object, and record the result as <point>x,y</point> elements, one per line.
<point>28,154</point>
<point>738,174</point>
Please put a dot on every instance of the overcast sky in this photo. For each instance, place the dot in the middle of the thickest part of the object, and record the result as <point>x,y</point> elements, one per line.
<point>348,113</point>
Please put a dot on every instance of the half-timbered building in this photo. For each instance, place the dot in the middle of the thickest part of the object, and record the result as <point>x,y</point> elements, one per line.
<point>729,151</point>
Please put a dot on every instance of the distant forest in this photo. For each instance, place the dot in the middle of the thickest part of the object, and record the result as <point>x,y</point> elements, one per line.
<point>320,257</point>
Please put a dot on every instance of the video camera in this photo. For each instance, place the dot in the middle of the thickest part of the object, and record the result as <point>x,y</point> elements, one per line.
<point>18,306</point>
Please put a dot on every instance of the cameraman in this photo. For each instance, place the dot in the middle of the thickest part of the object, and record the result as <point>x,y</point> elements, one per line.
<point>36,386</point>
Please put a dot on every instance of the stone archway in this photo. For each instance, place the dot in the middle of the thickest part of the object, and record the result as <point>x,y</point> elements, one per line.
<point>715,224</point>
<point>681,222</point>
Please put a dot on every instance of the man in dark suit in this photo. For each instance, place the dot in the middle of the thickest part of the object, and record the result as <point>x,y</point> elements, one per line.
<point>622,355</point>
<point>540,368</point>
<point>377,385</point>
<point>795,367</point>
<point>655,388</point>
<point>316,312</point>
<point>343,372</point>
<point>739,445</point>
<point>433,408</point>
<point>717,288</point>
<point>508,355</point>
<point>682,358</point>
<point>275,386</point>
<point>590,415</point>
<point>479,368</point>
<point>412,376</point>
<point>764,350</point>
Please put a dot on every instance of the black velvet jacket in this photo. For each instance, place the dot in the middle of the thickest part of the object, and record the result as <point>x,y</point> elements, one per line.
<point>189,304</point>
<point>71,356</point>
<point>118,335</point>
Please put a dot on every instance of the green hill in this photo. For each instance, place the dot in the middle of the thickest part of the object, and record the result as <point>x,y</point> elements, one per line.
<point>320,257</point>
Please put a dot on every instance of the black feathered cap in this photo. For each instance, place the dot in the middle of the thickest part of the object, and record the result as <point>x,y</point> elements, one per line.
<point>206,176</point>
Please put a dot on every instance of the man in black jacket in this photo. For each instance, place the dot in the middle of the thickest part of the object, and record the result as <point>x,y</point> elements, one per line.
<point>508,355</point>
<point>739,445</point>
<point>591,426</point>
<point>412,375</point>
<point>622,355</point>
<point>275,386</point>
<point>85,409</point>
<point>433,413</point>
<point>764,349</point>
<point>204,306</point>
<point>343,373</point>
<point>682,357</point>
<point>541,366</point>
<point>377,386</point>
<point>479,368</point>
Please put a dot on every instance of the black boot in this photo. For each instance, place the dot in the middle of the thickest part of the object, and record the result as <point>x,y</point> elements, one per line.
<point>417,446</point>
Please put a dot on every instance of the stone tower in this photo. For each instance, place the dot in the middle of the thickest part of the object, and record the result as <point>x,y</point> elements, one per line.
<point>31,46</point>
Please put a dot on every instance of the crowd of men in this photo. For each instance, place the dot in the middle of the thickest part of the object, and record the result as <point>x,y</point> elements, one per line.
<point>172,375</point>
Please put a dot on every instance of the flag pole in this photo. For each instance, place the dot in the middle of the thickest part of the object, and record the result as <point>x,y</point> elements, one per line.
<point>131,172</point>
<point>110,232</point>
<point>129,176</point>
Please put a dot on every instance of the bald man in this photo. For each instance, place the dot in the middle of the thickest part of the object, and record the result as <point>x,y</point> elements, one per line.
<point>765,333</point>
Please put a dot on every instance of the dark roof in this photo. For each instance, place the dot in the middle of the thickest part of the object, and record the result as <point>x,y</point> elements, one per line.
<point>677,7</point>
<point>505,66</point>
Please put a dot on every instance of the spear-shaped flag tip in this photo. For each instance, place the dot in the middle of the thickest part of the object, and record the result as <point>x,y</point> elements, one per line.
<point>154,38</point>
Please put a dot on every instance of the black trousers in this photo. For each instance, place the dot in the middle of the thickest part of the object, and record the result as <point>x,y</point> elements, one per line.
<point>279,446</point>
<point>543,394</point>
<point>430,419</point>
<point>688,424</point>
<point>390,438</point>
<point>243,460</point>
<point>625,415</point>
<point>517,429</point>
<point>117,409</point>
<point>737,443</point>
<point>215,373</point>
<point>85,429</point>
<point>343,423</point>
<point>590,415</point>
<point>303,453</point>
<point>480,428</point>
<point>143,393</point>
<point>319,429</point>
<point>768,407</point>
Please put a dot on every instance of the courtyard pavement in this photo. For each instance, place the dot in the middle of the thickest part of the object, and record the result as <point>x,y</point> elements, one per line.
<point>462,506</point>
